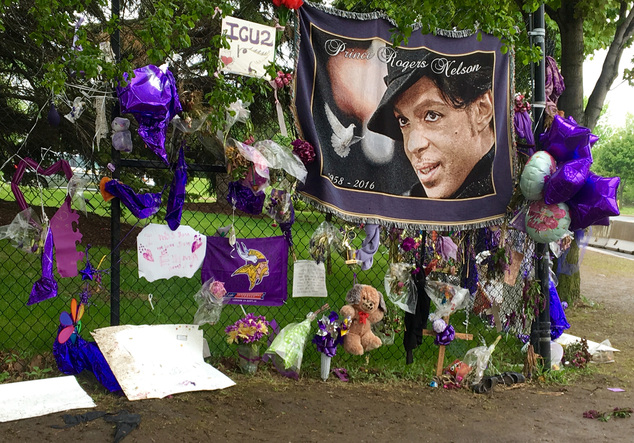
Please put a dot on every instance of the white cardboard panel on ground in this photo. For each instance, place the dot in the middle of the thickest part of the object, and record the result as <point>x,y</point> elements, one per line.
<point>26,399</point>
<point>153,361</point>
<point>593,346</point>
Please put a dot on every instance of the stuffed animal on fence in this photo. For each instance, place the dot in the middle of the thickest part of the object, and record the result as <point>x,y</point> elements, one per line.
<point>365,306</point>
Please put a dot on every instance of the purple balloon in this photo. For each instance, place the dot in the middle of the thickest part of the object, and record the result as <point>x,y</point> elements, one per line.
<point>566,181</point>
<point>176,197</point>
<point>595,201</point>
<point>152,98</point>
<point>566,140</point>
<point>45,287</point>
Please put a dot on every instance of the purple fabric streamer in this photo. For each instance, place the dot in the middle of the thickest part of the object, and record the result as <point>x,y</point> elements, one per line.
<point>595,201</point>
<point>524,130</point>
<point>554,85</point>
<point>176,197</point>
<point>141,205</point>
<point>45,287</point>
<point>369,246</point>
<point>446,336</point>
<point>244,199</point>
<point>73,358</point>
<point>558,321</point>
<point>152,98</point>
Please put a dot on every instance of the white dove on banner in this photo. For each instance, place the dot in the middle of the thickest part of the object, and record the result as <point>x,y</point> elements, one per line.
<point>342,137</point>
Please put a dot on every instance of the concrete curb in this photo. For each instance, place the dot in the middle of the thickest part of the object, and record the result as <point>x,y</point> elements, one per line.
<point>619,236</point>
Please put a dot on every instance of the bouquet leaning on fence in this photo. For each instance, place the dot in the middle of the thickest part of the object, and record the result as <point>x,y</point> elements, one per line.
<point>248,333</point>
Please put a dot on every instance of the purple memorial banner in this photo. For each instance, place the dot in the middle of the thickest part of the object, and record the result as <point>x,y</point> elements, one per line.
<point>254,271</point>
<point>415,135</point>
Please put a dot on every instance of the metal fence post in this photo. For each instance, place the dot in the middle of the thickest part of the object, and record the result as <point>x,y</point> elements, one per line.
<point>540,335</point>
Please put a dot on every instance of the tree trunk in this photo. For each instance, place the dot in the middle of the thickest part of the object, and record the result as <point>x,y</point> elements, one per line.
<point>569,287</point>
<point>572,56</point>
<point>609,71</point>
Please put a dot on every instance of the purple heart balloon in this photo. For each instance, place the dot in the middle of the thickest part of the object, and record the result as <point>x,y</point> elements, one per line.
<point>566,140</point>
<point>595,201</point>
<point>566,181</point>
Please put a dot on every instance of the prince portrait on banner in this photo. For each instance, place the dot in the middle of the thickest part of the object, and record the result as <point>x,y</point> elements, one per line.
<point>416,134</point>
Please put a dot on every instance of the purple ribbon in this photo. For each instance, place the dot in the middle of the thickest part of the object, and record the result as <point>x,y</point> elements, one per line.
<point>141,205</point>
<point>176,197</point>
<point>446,336</point>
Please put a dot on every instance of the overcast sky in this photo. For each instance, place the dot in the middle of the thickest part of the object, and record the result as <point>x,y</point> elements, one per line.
<point>621,95</point>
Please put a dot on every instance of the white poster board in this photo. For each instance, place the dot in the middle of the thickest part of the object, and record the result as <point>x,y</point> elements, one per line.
<point>26,399</point>
<point>309,279</point>
<point>158,360</point>
<point>251,47</point>
<point>163,253</point>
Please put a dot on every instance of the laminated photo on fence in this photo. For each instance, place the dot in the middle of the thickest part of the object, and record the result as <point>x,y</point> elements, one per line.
<point>417,135</point>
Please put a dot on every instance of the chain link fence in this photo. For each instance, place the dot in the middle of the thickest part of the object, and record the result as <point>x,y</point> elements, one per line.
<point>498,307</point>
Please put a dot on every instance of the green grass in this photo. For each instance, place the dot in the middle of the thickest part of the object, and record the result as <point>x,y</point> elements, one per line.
<point>627,210</point>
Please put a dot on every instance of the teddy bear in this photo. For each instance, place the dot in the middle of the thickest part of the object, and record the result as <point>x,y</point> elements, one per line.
<point>365,306</point>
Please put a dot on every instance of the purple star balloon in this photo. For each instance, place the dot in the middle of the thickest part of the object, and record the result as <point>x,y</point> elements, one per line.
<point>566,181</point>
<point>595,201</point>
<point>566,140</point>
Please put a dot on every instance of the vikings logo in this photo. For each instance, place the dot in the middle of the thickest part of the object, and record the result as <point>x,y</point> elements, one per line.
<point>256,265</point>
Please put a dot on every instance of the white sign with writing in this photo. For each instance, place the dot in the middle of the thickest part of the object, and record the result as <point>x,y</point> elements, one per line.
<point>163,253</point>
<point>251,47</point>
<point>309,279</point>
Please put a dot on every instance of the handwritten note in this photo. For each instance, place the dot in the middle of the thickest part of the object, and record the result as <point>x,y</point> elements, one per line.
<point>251,47</point>
<point>163,253</point>
<point>309,279</point>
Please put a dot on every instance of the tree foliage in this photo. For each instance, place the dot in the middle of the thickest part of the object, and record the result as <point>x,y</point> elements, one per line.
<point>615,157</point>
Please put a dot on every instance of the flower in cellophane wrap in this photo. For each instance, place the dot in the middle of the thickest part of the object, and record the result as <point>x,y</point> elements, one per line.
<point>446,297</point>
<point>325,238</point>
<point>287,349</point>
<point>210,299</point>
<point>400,287</point>
<point>328,337</point>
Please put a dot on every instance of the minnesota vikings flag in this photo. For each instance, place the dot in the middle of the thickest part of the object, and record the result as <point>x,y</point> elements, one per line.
<point>253,271</point>
<point>412,135</point>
